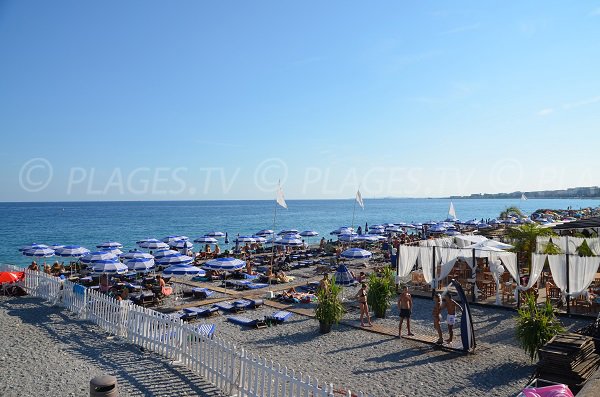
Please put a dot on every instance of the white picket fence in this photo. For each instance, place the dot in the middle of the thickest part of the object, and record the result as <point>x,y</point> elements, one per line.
<point>232,370</point>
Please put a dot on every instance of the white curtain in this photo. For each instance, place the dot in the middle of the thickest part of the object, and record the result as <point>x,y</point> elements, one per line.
<point>467,256</point>
<point>582,271</point>
<point>537,265</point>
<point>509,259</point>
<point>447,257</point>
<point>569,244</point>
<point>594,244</point>
<point>407,259</point>
<point>558,268</point>
<point>425,259</point>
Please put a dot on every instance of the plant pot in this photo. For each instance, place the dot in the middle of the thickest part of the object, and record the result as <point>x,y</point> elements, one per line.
<point>324,327</point>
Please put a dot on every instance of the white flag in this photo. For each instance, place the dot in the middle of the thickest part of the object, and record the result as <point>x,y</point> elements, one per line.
<point>280,197</point>
<point>359,199</point>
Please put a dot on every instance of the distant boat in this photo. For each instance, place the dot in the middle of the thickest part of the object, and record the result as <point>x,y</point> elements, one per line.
<point>451,212</point>
<point>523,197</point>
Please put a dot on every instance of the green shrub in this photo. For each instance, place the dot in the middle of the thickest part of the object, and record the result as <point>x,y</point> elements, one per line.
<point>381,289</point>
<point>329,308</point>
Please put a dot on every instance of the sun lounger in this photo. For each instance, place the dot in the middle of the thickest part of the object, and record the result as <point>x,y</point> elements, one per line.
<point>206,329</point>
<point>201,311</point>
<point>256,285</point>
<point>246,322</point>
<point>228,307</point>
<point>201,293</point>
<point>279,317</point>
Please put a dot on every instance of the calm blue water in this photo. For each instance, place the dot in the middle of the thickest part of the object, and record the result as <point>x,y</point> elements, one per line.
<point>89,223</point>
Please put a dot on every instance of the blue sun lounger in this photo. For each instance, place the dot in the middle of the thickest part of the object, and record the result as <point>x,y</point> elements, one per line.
<point>228,307</point>
<point>246,322</point>
<point>279,317</point>
<point>256,285</point>
<point>201,293</point>
<point>193,312</point>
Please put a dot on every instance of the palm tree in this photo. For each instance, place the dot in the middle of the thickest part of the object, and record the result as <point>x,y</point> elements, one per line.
<point>511,211</point>
<point>524,239</point>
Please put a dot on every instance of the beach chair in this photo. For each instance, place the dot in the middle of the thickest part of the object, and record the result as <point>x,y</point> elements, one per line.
<point>194,312</point>
<point>246,322</point>
<point>278,317</point>
<point>256,285</point>
<point>206,329</point>
<point>228,307</point>
<point>201,293</point>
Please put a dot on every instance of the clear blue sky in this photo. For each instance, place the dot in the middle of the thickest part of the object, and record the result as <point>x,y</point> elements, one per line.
<point>155,100</point>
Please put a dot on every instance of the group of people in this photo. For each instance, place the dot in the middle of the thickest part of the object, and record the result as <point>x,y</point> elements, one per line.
<point>405,307</point>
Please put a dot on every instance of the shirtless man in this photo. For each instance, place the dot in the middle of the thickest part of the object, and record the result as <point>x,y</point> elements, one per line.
<point>450,306</point>
<point>437,317</point>
<point>405,304</point>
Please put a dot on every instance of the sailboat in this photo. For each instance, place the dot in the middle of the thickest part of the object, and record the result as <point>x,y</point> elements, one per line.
<point>451,212</point>
<point>523,197</point>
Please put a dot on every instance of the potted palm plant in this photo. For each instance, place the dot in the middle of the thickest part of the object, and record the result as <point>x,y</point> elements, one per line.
<point>329,309</point>
<point>381,290</point>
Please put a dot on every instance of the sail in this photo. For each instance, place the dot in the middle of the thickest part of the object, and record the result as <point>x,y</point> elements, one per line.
<point>523,197</point>
<point>451,211</point>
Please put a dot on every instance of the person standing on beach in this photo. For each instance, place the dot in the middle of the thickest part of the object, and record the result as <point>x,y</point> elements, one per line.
<point>437,317</point>
<point>361,296</point>
<point>450,306</point>
<point>405,304</point>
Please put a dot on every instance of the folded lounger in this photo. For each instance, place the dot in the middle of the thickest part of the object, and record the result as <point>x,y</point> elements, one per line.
<point>246,322</point>
<point>279,317</point>
<point>201,293</point>
<point>206,329</point>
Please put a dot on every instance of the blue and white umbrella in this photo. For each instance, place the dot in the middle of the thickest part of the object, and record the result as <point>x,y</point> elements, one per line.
<point>343,230</point>
<point>287,231</point>
<point>184,270</point>
<point>140,264</point>
<point>164,253</point>
<point>343,276</point>
<point>245,239</point>
<point>292,235</point>
<point>174,260</point>
<point>110,244</point>
<point>135,254</point>
<point>260,239</point>
<point>206,240</point>
<point>483,226</point>
<point>114,267</point>
<point>376,231</point>
<point>368,238</point>
<point>264,232</point>
<point>356,253</point>
<point>170,239</point>
<point>73,251</point>
<point>56,246</point>
<point>98,257</point>
<point>289,242</point>
<point>309,233</point>
<point>152,244</point>
<point>181,244</point>
<point>228,264</point>
<point>437,229</point>
<point>348,237</point>
<point>39,252</point>
<point>115,251</point>
<point>215,234</point>
<point>32,246</point>
<point>393,229</point>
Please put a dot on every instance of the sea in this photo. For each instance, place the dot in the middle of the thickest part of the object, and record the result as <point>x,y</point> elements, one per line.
<point>90,223</point>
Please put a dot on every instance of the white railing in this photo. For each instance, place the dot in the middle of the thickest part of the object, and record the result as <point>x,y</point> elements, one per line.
<point>5,267</point>
<point>234,371</point>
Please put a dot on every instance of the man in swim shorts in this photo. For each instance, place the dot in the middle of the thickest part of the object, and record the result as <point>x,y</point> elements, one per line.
<point>405,304</point>
<point>450,306</point>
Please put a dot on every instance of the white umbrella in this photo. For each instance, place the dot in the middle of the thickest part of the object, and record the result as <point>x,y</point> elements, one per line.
<point>73,251</point>
<point>152,244</point>
<point>356,253</point>
<point>110,244</point>
<point>140,264</point>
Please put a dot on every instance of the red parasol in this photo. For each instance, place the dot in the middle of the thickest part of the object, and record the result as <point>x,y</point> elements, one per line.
<point>11,277</point>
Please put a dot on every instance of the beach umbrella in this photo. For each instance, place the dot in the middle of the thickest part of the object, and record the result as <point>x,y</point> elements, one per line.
<point>430,223</point>
<point>292,235</point>
<point>343,230</point>
<point>245,239</point>
<point>110,244</point>
<point>348,237</point>
<point>181,244</point>
<point>136,254</point>
<point>206,240</point>
<point>376,227</point>
<point>140,264</point>
<point>260,239</point>
<point>368,239</point>
<point>309,233</point>
<point>483,226</point>
<point>288,231</point>
<point>109,267</point>
<point>39,252</point>
<point>356,253</point>
<point>98,257</point>
<point>55,246</point>
<point>115,251</point>
<point>74,251</point>
<point>10,277</point>
<point>152,244</point>
<point>227,264</point>
<point>164,253</point>
<point>393,229</point>
<point>32,246</point>
<point>170,239</point>
<point>437,229</point>
<point>264,232</point>
<point>376,231</point>
<point>343,276</point>
<point>216,234</point>
<point>184,270</point>
<point>289,241</point>
<point>174,259</point>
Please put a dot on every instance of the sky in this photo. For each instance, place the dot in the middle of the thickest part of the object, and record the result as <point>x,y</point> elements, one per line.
<point>199,100</point>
